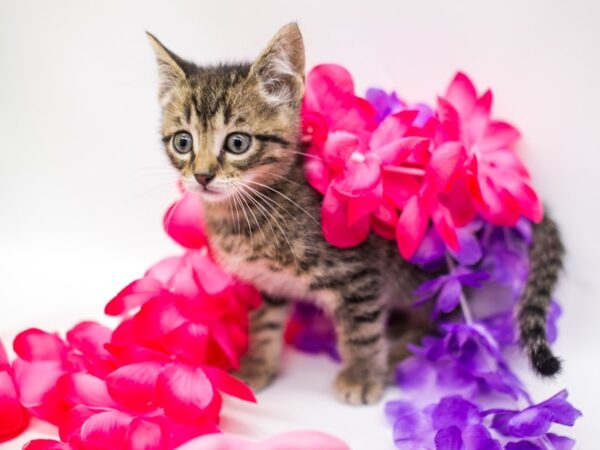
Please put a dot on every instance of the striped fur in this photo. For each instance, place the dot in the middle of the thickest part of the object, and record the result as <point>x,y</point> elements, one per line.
<point>546,261</point>
<point>263,220</point>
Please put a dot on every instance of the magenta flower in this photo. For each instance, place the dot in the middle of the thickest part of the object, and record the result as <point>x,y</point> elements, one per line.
<point>295,440</point>
<point>45,360</point>
<point>14,418</point>
<point>500,186</point>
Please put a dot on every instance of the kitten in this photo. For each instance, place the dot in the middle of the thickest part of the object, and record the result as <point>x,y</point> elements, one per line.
<point>232,131</point>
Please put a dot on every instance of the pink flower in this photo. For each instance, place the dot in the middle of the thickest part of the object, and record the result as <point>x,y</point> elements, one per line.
<point>441,173</point>
<point>499,184</point>
<point>44,359</point>
<point>183,221</point>
<point>13,416</point>
<point>183,299</point>
<point>295,440</point>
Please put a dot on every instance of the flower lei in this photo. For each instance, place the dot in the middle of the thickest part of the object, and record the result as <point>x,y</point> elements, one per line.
<point>446,184</point>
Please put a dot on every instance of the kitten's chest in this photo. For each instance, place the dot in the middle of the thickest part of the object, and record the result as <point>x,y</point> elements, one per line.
<point>265,274</point>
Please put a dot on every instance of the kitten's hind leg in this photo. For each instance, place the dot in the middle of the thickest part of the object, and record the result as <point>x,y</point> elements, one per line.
<point>260,364</point>
<point>404,328</point>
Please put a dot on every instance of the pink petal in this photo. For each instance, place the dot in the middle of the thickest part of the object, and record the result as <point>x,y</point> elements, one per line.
<point>229,384</point>
<point>446,163</point>
<point>188,341</point>
<point>384,220</point>
<point>105,430</point>
<point>134,385</point>
<point>46,444</point>
<point>295,440</point>
<point>13,417</point>
<point>183,221</point>
<point>362,174</point>
<point>89,338</point>
<point>392,128</point>
<point>498,136</point>
<point>462,94</point>
<point>336,230</point>
<point>184,392</point>
<point>164,270</point>
<point>211,277</point>
<point>145,435</point>
<point>155,319</point>
<point>396,152</point>
<point>37,345</point>
<point>85,389</point>
<point>338,148</point>
<point>399,187</point>
<point>450,121</point>
<point>133,295</point>
<point>317,172</point>
<point>221,335</point>
<point>36,379</point>
<point>325,83</point>
<point>411,227</point>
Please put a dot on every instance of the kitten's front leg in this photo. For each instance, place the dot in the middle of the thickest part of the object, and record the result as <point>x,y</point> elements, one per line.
<point>360,324</point>
<point>261,363</point>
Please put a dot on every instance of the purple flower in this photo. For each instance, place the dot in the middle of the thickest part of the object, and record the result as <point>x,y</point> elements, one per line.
<point>467,357</point>
<point>451,424</point>
<point>311,331</point>
<point>537,419</point>
<point>557,442</point>
<point>384,103</point>
<point>448,288</point>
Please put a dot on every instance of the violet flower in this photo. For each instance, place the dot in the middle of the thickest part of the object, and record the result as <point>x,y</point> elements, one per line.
<point>535,420</point>
<point>449,288</point>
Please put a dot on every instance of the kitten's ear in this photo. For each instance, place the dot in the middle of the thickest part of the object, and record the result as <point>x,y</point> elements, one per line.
<point>170,67</point>
<point>280,67</point>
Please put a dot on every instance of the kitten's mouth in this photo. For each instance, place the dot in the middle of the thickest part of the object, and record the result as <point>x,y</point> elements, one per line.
<point>211,194</point>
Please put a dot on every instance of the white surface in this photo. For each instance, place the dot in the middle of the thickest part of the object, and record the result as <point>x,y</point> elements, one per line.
<point>84,183</point>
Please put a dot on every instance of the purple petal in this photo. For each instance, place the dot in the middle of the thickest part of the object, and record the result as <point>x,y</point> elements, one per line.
<point>449,297</point>
<point>523,445</point>
<point>454,411</point>
<point>384,103</point>
<point>560,442</point>
<point>477,437</point>
<point>432,249</point>
<point>448,439</point>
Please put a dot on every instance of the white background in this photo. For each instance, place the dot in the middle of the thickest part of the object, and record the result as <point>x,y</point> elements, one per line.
<point>84,183</point>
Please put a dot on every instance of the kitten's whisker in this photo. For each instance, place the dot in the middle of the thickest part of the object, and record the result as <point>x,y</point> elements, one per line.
<point>284,235</point>
<point>287,198</point>
<point>262,210</point>
<point>246,195</point>
<point>307,155</point>
<point>248,222</point>
<point>273,202</point>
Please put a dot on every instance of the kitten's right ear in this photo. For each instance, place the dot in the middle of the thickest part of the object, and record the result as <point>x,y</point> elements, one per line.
<point>170,67</point>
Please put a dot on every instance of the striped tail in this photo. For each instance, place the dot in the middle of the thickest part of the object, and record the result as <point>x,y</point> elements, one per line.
<point>546,261</point>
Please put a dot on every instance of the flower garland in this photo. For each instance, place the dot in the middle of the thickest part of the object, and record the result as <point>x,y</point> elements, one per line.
<point>446,184</point>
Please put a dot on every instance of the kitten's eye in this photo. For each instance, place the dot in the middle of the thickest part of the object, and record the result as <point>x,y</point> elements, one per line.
<point>182,142</point>
<point>237,143</point>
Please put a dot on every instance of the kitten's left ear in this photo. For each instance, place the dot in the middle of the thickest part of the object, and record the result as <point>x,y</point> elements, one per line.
<point>280,67</point>
<point>170,67</point>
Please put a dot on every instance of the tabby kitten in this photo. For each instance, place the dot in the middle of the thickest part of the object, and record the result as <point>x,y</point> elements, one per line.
<point>232,131</point>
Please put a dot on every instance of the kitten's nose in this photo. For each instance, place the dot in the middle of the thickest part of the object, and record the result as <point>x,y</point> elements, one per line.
<point>204,178</point>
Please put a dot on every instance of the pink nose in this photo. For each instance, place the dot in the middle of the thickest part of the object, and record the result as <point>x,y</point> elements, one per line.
<point>204,178</point>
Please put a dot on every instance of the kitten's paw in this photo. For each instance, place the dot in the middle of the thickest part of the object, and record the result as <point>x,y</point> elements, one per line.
<point>257,375</point>
<point>357,386</point>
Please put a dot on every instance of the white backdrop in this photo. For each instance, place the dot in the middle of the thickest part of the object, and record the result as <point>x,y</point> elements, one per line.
<point>84,183</point>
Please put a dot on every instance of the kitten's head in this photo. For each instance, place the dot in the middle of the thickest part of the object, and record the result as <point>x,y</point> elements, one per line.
<point>230,126</point>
